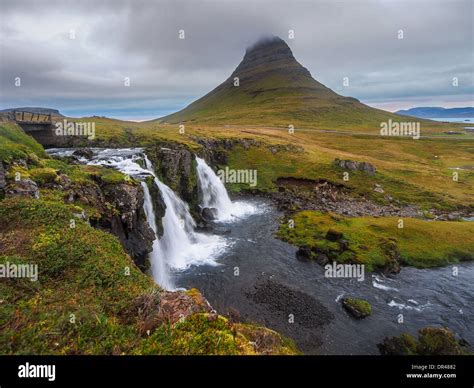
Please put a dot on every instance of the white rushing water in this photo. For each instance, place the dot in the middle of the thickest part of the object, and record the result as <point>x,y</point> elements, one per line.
<point>180,246</point>
<point>214,195</point>
<point>160,270</point>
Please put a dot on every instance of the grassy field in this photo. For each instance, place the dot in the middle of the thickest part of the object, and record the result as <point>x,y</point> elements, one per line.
<point>411,171</point>
<point>372,241</point>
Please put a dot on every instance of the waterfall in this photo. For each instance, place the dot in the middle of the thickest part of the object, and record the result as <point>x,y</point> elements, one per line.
<point>180,246</point>
<point>160,270</point>
<point>214,195</point>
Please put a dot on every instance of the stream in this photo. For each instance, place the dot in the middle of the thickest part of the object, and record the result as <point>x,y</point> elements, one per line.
<point>248,274</point>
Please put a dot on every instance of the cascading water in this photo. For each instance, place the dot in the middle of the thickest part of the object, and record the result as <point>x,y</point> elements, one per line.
<point>180,246</point>
<point>214,195</point>
<point>160,270</point>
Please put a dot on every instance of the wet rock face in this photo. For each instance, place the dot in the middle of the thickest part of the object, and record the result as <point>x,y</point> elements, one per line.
<point>130,225</point>
<point>355,166</point>
<point>209,213</point>
<point>158,205</point>
<point>22,188</point>
<point>121,213</point>
<point>177,168</point>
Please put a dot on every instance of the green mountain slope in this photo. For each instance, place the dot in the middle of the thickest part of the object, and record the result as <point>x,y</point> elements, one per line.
<point>275,90</point>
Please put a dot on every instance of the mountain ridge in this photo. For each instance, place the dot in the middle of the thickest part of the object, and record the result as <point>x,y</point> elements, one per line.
<point>270,87</point>
<point>437,112</point>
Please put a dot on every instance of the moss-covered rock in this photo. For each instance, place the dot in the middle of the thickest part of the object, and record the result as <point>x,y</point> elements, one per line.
<point>43,175</point>
<point>358,308</point>
<point>432,341</point>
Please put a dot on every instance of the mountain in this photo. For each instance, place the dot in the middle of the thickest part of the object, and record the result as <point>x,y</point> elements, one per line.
<point>275,89</point>
<point>437,112</point>
<point>38,110</point>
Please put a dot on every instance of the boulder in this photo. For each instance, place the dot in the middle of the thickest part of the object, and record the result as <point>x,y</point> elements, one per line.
<point>209,213</point>
<point>355,166</point>
<point>333,235</point>
<point>23,188</point>
<point>304,253</point>
<point>358,308</point>
<point>84,153</point>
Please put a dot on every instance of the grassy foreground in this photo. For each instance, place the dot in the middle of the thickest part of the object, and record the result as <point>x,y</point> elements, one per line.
<point>90,295</point>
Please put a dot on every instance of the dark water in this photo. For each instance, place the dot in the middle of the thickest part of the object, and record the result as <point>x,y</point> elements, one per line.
<point>272,284</point>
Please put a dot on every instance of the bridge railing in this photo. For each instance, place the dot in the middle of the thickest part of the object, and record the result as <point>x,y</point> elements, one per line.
<point>30,117</point>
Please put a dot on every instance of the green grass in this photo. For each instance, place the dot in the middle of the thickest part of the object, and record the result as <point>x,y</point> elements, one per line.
<point>16,144</point>
<point>85,272</point>
<point>420,243</point>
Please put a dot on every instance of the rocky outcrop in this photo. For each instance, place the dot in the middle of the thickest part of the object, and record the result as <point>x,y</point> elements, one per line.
<point>164,307</point>
<point>130,225</point>
<point>120,212</point>
<point>159,205</point>
<point>305,194</point>
<point>176,167</point>
<point>22,188</point>
<point>351,165</point>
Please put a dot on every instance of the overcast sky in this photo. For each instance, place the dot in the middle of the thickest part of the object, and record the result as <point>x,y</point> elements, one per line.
<point>140,40</point>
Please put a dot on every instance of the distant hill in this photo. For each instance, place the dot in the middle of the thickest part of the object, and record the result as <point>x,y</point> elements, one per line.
<point>437,112</point>
<point>38,110</point>
<point>275,90</point>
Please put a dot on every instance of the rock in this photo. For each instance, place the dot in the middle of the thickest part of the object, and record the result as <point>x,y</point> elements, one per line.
<point>390,249</point>
<point>209,213</point>
<point>343,245</point>
<point>64,181</point>
<point>355,166</point>
<point>3,182</point>
<point>378,189</point>
<point>130,224</point>
<point>333,235</point>
<point>176,167</point>
<point>432,341</point>
<point>454,217</point>
<point>84,153</point>
<point>164,307</point>
<point>404,345</point>
<point>304,253</point>
<point>358,308</point>
<point>23,188</point>
<point>322,259</point>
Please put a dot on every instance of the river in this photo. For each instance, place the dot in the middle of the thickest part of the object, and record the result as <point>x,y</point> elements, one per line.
<point>252,276</point>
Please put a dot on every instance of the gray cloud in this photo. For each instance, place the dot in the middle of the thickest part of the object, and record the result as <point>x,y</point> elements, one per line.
<point>139,39</point>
